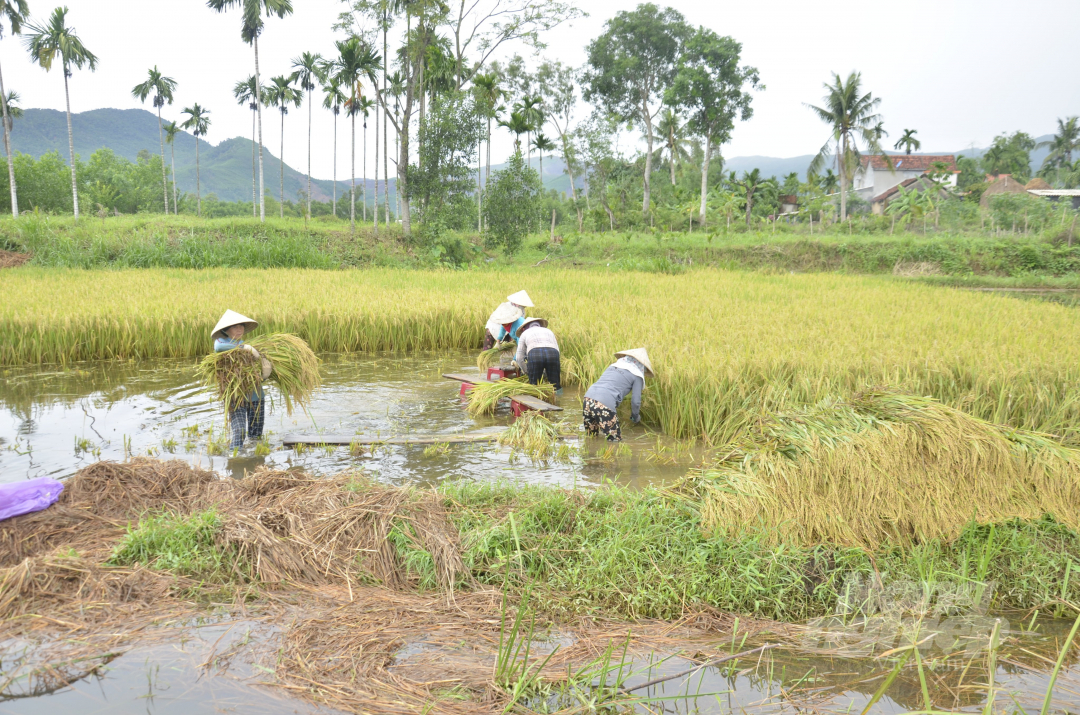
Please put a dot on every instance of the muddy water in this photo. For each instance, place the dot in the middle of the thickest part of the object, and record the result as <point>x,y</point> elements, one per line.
<point>54,421</point>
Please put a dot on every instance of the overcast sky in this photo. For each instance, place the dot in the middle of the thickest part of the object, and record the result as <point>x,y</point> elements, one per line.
<point>958,71</point>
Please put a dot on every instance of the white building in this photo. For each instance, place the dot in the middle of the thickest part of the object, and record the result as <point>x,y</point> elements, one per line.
<point>874,177</point>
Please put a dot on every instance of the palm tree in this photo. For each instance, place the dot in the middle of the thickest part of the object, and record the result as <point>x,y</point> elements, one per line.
<point>751,185</point>
<point>45,43</point>
<point>675,134</point>
<point>172,129</point>
<point>333,100</point>
<point>354,62</point>
<point>364,105</point>
<point>245,91</point>
<point>518,125</point>
<point>489,93</point>
<point>280,93</point>
<point>309,69</point>
<point>198,122</point>
<point>851,116</point>
<point>252,27</point>
<point>162,88</point>
<point>542,144</point>
<point>830,184</point>
<point>908,141</point>
<point>1064,143</point>
<point>532,110</point>
<point>16,13</point>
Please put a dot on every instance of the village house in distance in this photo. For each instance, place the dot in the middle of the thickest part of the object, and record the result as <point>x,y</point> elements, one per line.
<point>876,183</point>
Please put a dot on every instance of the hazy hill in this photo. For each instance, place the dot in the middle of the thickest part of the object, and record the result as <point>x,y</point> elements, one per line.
<point>226,167</point>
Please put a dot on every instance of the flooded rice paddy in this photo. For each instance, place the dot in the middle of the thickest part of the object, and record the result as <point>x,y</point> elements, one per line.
<point>54,420</point>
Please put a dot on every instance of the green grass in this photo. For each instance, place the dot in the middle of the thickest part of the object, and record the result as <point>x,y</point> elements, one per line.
<point>182,544</point>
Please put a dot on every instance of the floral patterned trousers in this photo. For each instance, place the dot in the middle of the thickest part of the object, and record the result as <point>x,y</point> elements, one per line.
<point>600,419</point>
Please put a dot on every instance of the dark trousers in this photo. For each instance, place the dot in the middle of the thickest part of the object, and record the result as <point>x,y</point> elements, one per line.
<point>543,362</point>
<point>246,421</point>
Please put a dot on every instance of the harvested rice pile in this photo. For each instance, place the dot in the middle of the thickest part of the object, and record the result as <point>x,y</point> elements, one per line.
<point>235,374</point>
<point>532,433</point>
<point>885,466</point>
<point>484,398</point>
<point>489,358</point>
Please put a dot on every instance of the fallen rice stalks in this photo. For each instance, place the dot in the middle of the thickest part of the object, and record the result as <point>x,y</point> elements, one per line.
<point>489,358</point>
<point>484,398</point>
<point>885,466</point>
<point>532,433</point>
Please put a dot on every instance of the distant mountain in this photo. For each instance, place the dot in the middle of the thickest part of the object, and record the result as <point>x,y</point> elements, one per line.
<point>225,168</point>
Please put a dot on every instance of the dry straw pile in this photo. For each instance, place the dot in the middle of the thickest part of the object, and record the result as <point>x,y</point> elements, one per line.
<point>884,466</point>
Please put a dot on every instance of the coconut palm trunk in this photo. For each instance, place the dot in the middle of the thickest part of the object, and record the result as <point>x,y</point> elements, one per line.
<point>335,164</point>
<point>375,206</point>
<point>704,180</point>
<point>281,163</point>
<point>176,195</point>
<point>648,161</point>
<point>386,133</point>
<point>164,175</point>
<point>254,186</point>
<point>71,146</point>
<point>258,102</point>
<point>198,180</point>
<point>7,149</point>
<point>310,92</point>
<point>352,187</point>
<point>363,185</point>
<point>840,156</point>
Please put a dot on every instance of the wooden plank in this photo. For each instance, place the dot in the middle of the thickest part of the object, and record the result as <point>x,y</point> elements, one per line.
<point>535,404</point>
<point>339,440</point>
<point>466,377</point>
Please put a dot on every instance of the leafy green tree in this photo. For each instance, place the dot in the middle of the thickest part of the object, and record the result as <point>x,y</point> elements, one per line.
<point>441,181</point>
<point>830,182</point>
<point>162,88</point>
<point>1010,155</point>
<point>334,99</point>
<point>908,142</point>
<point>364,106</point>
<point>541,143</point>
<point>245,92</point>
<point>355,61</point>
<point>712,86</point>
<point>308,70</point>
<point>253,13</point>
<point>488,95</point>
<point>511,205</point>
<point>15,12</point>
<point>851,117</point>
<point>970,173</point>
<point>630,67</point>
<point>280,93</point>
<point>56,39</point>
<point>198,122</point>
<point>791,184</point>
<point>751,187</point>
<point>557,85</point>
<point>1066,140</point>
<point>172,130</point>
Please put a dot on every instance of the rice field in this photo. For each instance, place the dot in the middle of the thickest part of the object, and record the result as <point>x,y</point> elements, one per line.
<point>728,347</point>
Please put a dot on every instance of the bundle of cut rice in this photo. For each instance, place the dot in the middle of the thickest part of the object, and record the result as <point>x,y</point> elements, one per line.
<point>235,374</point>
<point>491,357</point>
<point>484,398</point>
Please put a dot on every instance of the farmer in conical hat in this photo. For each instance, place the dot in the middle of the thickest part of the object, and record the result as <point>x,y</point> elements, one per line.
<point>538,351</point>
<point>511,313</point>
<point>245,419</point>
<point>623,377</point>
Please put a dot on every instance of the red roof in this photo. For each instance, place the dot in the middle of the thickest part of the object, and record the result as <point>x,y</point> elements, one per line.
<point>910,162</point>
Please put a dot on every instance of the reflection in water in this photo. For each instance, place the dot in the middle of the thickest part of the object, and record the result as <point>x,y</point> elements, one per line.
<point>55,421</point>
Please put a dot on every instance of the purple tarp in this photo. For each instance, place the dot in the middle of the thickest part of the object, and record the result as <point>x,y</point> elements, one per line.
<point>17,498</point>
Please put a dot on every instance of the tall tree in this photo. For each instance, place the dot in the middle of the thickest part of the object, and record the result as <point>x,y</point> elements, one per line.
<point>334,99</point>
<point>518,125</point>
<point>355,61</point>
<point>1010,154</point>
<point>198,122</point>
<point>488,95</point>
<point>172,129</point>
<point>15,12</point>
<point>254,12</point>
<point>364,105</point>
<point>280,93</point>
<point>750,185</point>
<point>245,92</point>
<point>851,116</point>
<point>532,109</point>
<point>557,84</point>
<point>541,143</point>
<point>1066,140</point>
<point>713,88</point>
<point>907,142</point>
<point>47,42</point>
<point>308,71</point>
<point>631,65</point>
<point>162,88</point>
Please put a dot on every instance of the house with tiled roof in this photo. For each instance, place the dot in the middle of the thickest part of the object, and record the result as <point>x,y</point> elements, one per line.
<point>874,176</point>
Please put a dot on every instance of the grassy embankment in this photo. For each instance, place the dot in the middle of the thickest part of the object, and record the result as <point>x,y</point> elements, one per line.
<point>188,242</point>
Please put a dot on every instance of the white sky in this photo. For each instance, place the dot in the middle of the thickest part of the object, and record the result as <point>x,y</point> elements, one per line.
<point>958,71</point>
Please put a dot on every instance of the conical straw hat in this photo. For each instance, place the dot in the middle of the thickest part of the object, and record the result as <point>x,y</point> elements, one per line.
<point>232,318</point>
<point>506,313</point>
<point>521,298</point>
<point>529,321</point>
<point>641,355</point>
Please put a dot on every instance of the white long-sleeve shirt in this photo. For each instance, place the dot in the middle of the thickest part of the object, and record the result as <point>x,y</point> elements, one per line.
<point>534,337</point>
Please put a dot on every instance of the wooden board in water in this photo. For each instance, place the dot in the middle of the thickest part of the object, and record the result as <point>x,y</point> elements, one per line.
<point>345,440</point>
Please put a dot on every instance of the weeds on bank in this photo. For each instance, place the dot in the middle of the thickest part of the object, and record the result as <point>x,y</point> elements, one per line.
<point>183,545</point>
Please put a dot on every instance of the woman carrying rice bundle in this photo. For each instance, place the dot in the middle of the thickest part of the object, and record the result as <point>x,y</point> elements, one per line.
<point>623,377</point>
<point>538,351</point>
<point>506,319</point>
<point>247,415</point>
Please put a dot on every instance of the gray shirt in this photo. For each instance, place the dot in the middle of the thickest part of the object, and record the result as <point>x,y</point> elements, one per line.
<point>535,337</point>
<point>613,386</point>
